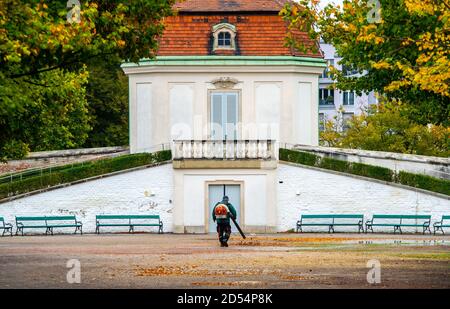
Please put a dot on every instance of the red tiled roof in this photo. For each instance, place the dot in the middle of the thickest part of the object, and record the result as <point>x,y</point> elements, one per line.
<point>230,5</point>
<point>257,35</point>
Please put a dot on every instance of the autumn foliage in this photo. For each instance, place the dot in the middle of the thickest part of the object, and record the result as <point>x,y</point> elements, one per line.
<point>402,47</point>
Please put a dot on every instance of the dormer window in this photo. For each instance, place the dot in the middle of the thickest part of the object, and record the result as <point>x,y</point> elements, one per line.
<point>224,37</point>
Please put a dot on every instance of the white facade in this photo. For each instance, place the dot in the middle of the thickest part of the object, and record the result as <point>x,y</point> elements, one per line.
<point>298,191</point>
<point>246,105</point>
<point>170,101</point>
<point>336,104</point>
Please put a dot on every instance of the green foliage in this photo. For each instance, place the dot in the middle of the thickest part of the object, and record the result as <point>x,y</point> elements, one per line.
<point>107,95</point>
<point>15,149</point>
<point>365,170</point>
<point>377,172</point>
<point>424,182</point>
<point>335,165</point>
<point>298,157</point>
<point>43,77</point>
<point>44,113</point>
<point>80,171</point>
<point>404,51</point>
<point>386,128</point>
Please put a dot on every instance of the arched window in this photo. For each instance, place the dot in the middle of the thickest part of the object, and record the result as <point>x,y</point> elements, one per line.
<point>224,36</point>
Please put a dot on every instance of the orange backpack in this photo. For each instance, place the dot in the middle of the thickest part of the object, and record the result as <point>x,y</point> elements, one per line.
<point>221,211</point>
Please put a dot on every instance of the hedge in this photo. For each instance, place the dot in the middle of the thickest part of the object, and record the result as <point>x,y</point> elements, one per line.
<point>376,172</point>
<point>424,182</point>
<point>72,173</point>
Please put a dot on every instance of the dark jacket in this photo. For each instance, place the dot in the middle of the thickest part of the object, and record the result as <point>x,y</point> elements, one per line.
<point>227,220</point>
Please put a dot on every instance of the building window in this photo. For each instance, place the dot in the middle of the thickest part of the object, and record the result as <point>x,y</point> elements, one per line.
<point>224,37</point>
<point>326,97</point>
<point>326,72</point>
<point>224,115</point>
<point>348,98</point>
<point>321,122</point>
<point>348,71</point>
<point>346,117</point>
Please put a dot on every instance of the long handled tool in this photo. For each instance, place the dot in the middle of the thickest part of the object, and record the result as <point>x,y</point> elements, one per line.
<point>237,225</point>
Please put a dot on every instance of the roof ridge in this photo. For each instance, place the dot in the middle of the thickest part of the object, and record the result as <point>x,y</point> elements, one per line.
<point>230,5</point>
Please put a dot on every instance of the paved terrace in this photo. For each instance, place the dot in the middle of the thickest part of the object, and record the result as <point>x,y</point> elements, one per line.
<point>196,261</point>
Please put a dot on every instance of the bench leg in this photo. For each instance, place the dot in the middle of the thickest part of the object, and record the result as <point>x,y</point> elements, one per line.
<point>3,234</point>
<point>49,230</point>
<point>331,229</point>
<point>437,228</point>
<point>161,228</point>
<point>11,231</point>
<point>19,230</point>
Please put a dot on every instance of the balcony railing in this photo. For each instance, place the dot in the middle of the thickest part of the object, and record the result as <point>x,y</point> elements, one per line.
<point>224,150</point>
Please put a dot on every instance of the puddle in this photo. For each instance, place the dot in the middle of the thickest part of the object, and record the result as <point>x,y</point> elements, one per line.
<point>404,242</point>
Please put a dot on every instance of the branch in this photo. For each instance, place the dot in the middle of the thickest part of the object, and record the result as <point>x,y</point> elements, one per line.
<point>60,65</point>
<point>36,84</point>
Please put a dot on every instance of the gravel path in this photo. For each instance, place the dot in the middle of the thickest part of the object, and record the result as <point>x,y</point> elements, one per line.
<point>196,261</point>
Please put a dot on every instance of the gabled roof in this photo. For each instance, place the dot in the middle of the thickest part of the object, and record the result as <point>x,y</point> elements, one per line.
<point>230,5</point>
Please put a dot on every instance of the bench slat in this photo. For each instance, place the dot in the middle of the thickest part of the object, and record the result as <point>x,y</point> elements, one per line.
<point>401,216</point>
<point>331,216</point>
<point>122,217</point>
<point>30,218</point>
<point>60,218</point>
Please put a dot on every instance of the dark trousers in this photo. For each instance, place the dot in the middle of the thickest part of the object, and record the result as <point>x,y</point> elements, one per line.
<point>224,231</point>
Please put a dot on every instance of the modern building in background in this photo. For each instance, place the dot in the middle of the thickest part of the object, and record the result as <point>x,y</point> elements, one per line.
<point>335,103</point>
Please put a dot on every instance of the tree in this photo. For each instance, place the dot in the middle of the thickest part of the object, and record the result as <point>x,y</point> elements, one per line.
<point>50,115</point>
<point>43,49</point>
<point>385,128</point>
<point>404,47</point>
<point>107,94</point>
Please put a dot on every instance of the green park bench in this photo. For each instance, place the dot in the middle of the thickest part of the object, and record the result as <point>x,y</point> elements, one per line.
<point>331,220</point>
<point>445,222</point>
<point>399,221</point>
<point>130,221</point>
<point>5,226</point>
<point>48,223</point>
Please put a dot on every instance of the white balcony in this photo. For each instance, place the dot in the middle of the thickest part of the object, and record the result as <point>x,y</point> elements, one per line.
<point>208,151</point>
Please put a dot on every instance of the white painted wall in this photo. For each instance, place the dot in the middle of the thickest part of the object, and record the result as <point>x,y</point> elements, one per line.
<point>259,204</point>
<point>267,109</point>
<point>267,202</point>
<point>278,99</point>
<point>181,110</point>
<point>425,165</point>
<point>322,192</point>
<point>121,194</point>
<point>144,102</point>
